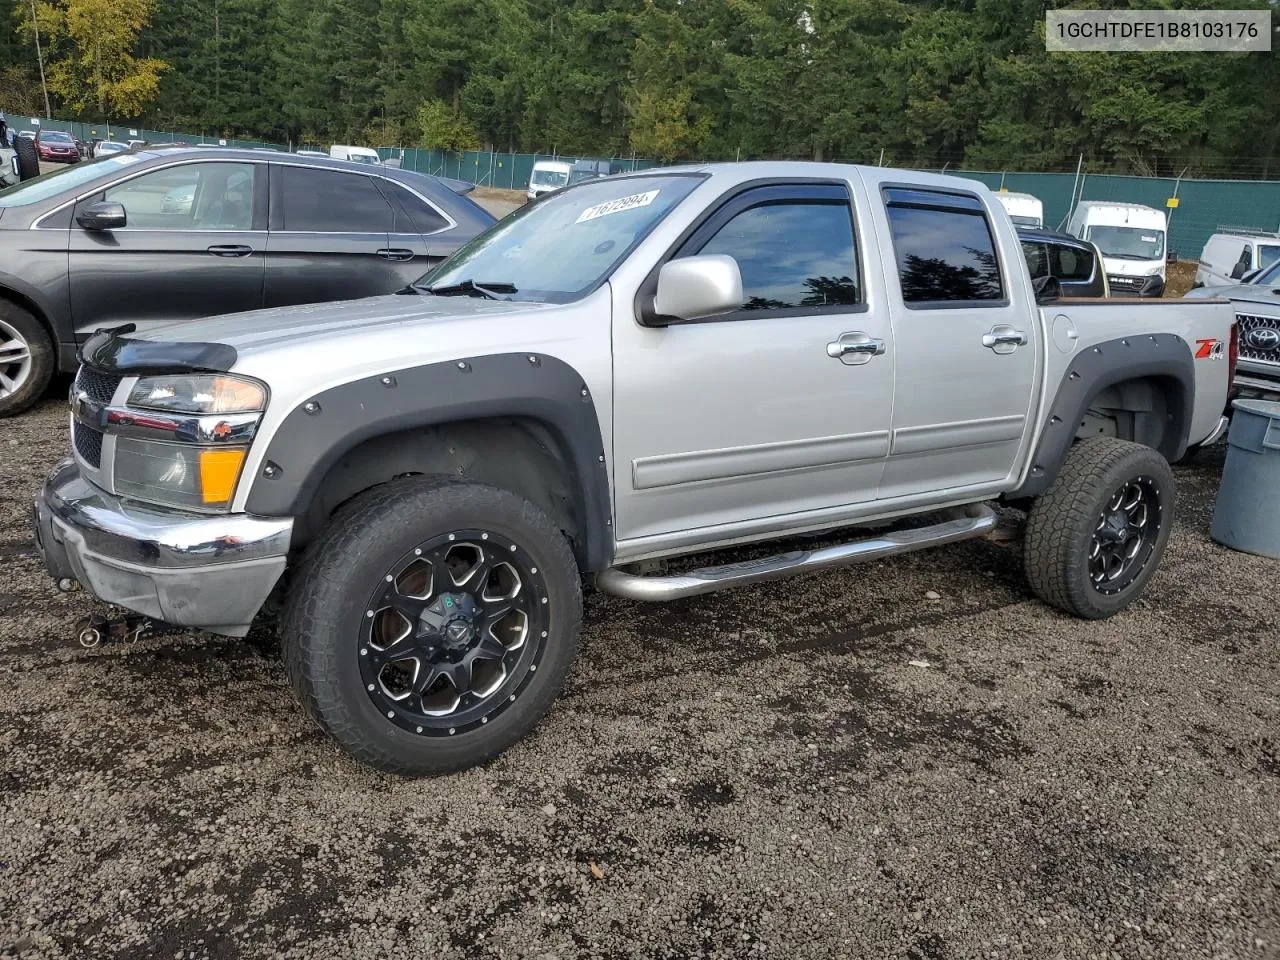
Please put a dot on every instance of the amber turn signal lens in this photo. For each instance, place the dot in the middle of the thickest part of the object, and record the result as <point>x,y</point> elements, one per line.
<point>219,470</point>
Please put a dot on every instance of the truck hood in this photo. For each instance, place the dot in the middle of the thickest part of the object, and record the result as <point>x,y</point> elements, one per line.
<point>268,331</point>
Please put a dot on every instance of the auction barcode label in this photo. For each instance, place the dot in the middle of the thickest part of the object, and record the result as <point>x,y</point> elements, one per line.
<point>1161,31</point>
<point>617,206</point>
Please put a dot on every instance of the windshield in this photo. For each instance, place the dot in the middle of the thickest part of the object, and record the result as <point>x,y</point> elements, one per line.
<point>1270,275</point>
<point>56,136</point>
<point>1025,221</point>
<point>550,178</point>
<point>1128,243</point>
<point>362,158</point>
<point>563,246</point>
<point>59,181</point>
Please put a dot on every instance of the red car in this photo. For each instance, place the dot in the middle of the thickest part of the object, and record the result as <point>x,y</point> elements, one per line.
<point>57,146</point>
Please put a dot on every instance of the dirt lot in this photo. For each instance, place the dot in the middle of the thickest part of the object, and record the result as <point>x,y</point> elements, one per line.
<point>830,767</point>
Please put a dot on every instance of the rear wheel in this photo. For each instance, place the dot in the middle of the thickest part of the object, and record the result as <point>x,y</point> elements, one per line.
<point>433,624</point>
<point>26,359</point>
<point>1095,538</point>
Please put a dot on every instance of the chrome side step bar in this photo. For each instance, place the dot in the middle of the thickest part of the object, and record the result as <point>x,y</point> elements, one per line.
<point>978,521</point>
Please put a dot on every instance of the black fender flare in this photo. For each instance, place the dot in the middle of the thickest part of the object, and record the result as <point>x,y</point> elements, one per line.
<point>1163,356</point>
<point>318,432</point>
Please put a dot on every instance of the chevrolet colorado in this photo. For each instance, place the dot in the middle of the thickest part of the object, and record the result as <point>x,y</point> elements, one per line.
<point>634,369</point>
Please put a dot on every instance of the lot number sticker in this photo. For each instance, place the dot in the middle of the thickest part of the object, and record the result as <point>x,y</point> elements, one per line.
<point>617,206</point>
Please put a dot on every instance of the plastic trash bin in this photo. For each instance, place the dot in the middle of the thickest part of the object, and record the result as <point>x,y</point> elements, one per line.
<point>1247,514</point>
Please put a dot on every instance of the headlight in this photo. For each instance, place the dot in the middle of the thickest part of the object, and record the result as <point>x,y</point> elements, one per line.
<point>203,478</point>
<point>199,393</point>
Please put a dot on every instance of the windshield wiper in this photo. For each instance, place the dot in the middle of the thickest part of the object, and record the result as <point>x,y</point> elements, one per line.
<point>470,288</point>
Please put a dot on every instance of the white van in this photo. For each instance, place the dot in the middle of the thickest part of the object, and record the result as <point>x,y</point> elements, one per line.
<point>547,176</point>
<point>1228,257</point>
<point>1023,209</point>
<point>1132,240</point>
<point>355,154</point>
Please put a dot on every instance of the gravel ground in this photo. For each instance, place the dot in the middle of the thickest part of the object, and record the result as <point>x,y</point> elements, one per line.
<point>909,759</point>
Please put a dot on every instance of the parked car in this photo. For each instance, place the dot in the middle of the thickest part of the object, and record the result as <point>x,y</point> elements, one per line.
<point>9,172</point>
<point>547,176</point>
<point>157,236</point>
<point>589,170</point>
<point>355,154</point>
<point>1230,257</point>
<point>106,148</point>
<point>54,146</point>
<point>27,134</point>
<point>136,144</point>
<point>1023,209</point>
<point>1132,240</point>
<point>1257,305</point>
<point>1075,264</point>
<point>565,397</point>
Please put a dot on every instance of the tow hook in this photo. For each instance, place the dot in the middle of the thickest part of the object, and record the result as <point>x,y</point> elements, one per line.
<point>98,629</point>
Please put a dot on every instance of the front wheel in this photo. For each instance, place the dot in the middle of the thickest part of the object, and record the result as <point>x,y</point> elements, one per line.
<point>433,624</point>
<point>1095,538</point>
<point>26,359</point>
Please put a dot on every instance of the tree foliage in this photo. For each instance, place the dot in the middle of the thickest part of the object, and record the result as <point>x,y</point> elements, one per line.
<point>921,82</point>
<point>90,59</point>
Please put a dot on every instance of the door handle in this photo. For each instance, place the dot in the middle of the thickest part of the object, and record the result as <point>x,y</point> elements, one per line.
<point>855,348</point>
<point>230,250</point>
<point>1003,338</point>
<point>395,253</point>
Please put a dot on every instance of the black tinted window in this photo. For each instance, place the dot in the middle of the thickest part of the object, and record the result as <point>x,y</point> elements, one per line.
<point>1072,263</point>
<point>792,254</point>
<point>326,201</point>
<point>943,246</point>
<point>412,214</point>
<point>1037,258</point>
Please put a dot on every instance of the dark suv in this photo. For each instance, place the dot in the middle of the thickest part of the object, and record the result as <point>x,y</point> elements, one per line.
<point>163,235</point>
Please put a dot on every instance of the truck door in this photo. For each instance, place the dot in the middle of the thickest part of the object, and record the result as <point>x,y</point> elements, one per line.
<point>775,410</point>
<point>967,347</point>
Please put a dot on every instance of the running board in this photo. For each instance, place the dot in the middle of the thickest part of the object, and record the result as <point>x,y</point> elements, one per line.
<point>978,521</point>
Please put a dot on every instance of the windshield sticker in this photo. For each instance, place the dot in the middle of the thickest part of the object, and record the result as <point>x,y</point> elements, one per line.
<point>1146,239</point>
<point>617,206</point>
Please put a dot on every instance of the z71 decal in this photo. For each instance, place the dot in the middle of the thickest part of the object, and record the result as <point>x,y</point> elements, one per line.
<point>1210,349</point>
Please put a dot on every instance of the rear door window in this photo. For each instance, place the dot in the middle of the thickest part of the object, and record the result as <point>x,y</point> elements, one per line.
<point>944,247</point>
<point>1071,263</point>
<point>328,201</point>
<point>410,213</point>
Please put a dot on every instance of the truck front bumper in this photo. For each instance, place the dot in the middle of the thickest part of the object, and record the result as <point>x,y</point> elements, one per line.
<point>212,571</point>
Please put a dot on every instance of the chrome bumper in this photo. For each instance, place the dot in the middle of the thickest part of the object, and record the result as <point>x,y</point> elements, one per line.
<point>194,570</point>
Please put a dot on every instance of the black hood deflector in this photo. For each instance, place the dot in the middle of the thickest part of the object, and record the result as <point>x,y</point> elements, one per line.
<point>112,352</point>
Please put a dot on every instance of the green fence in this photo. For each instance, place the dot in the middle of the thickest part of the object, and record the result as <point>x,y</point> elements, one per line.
<point>506,171</point>
<point>1204,206</point>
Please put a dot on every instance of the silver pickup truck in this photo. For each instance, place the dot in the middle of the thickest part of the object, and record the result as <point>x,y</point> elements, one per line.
<point>625,372</point>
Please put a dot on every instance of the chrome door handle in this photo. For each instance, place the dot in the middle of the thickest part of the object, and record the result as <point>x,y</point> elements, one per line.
<point>855,348</point>
<point>230,250</point>
<point>395,254</point>
<point>1003,338</point>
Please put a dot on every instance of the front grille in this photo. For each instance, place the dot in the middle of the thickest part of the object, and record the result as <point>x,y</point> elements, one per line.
<point>97,385</point>
<point>1126,283</point>
<point>1259,338</point>
<point>88,444</point>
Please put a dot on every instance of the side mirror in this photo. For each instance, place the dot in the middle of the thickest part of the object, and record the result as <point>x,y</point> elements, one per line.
<point>1171,257</point>
<point>695,287</point>
<point>1048,289</point>
<point>1239,270</point>
<point>103,215</point>
<point>1153,286</point>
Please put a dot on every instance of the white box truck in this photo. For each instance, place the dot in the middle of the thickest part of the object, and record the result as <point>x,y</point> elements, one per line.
<point>1132,240</point>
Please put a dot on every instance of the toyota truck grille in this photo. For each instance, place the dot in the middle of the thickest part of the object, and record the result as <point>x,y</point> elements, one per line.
<point>96,385</point>
<point>1259,338</point>
<point>88,444</point>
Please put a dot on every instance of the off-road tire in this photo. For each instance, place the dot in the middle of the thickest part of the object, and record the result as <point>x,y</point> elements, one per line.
<point>43,361</point>
<point>1063,521</point>
<point>327,601</point>
<point>28,158</point>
